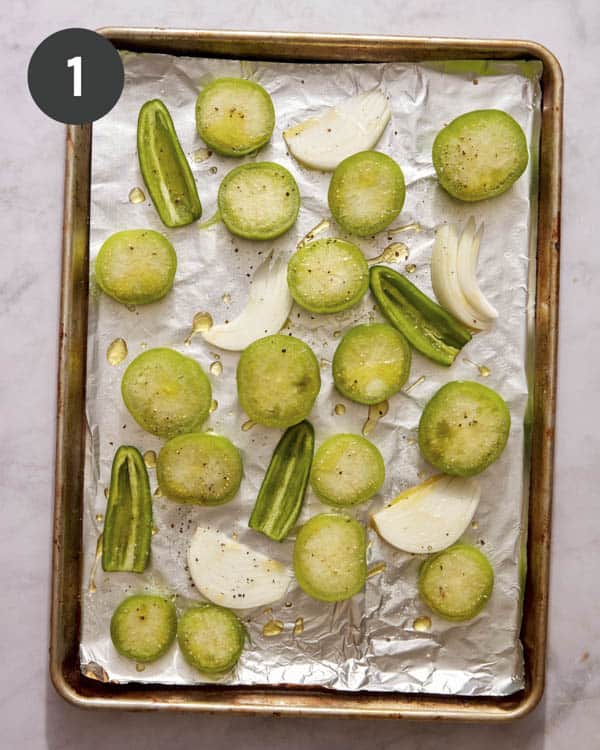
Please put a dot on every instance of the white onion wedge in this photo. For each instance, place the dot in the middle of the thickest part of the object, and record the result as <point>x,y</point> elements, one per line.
<point>232,574</point>
<point>431,516</point>
<point>266,311</point>
<point>354,125</point>
<point>449,286</point>
<point>468,255</point>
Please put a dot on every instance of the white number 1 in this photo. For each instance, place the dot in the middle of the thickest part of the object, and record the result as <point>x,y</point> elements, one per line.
<point>75,63</point>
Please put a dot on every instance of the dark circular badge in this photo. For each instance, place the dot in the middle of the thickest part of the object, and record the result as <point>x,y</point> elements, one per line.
<point>75,76</point>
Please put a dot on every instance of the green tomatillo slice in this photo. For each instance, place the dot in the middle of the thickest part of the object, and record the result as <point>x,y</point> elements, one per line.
<point>258,200</point>
<point>278,380</point>
<point>136,266</point>
<point>328,275</point>
<point>234,116</point>
<point>199,468</point>
<point>480,154</point>
<point>371,363</point>
<point>166,393</point>
<point>464,428</point>
<point>366,193</point>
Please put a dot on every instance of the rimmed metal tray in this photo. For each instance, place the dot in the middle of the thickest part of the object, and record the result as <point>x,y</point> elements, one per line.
<point>67,541</point>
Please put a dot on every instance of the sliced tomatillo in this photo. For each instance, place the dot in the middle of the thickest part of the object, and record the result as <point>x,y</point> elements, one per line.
<point>328,275</point>
<point>330,557</point>
<point>480,154</point>
<point>166,393</point>
<point>371,363</point>
<point>347,470</point>
<point>199,468</point>
<point>211,638</point>
<point>259,200</point>
<point>456,583</point>
<point>143,627</point>
<point>464,428</point>
<point>366,193</point>
<point>136,266</point>
<point>278,380</point>
<point>234,116</point>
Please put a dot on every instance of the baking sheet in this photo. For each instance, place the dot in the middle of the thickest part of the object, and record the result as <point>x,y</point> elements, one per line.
<point>370,642</point>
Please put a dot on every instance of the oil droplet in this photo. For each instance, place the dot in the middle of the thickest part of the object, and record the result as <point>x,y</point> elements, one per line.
<point>299,626</point>
<point>289,604</point>
<point>131,308</point>
<point>410,268</point>
<point>216,368</point>
<point>140,667</point>
<point>92,579</point>
<point>317,229</point>
<point>337,334</point>
<point>413,226</point>
<point>214,355</point>
<point>422,624</point>
<point>474,525</point>
<point>154,530</point>
<point>376,412</point>
<point>226,298</point>
<point>376,570</point>
<point>202,322</point>
<point>201,154</point>
<point>417,383</point>
<point>395,251</point>
<point>158,492</point>
<point>150,459</point>
<point>213,170</point>
<point>483,370</point>
<point>268,612</point>
<point>143,345</point>
<point>272,628</point>
<point>94,671</point>
<point>136,195</point>
<point>116,352</point>
<point>99,517</point>
<point>339,409</point>
<point>106,492</point>
<point>213,406</point>
<point>248,425</point>
<point>324,364</point>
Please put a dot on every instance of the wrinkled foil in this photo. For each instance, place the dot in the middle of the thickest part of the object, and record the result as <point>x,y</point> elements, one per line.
<point>369,642</point>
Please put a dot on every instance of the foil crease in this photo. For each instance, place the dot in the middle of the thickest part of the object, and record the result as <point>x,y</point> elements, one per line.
<point>369,642</point>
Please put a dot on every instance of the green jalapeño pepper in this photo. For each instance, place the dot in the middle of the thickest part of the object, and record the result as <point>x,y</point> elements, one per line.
<point>427,326</point>
<point>165,169</point>
<point>282,491</point>
<point>128,525</point>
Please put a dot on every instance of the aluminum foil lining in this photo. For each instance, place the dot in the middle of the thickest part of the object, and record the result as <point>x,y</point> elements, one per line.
<point>369,642</point>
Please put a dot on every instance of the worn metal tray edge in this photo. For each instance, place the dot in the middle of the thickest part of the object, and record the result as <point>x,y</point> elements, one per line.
<point>70,434</point>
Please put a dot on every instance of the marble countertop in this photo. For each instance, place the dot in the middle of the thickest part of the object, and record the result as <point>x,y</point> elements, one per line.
<point>31,182</point>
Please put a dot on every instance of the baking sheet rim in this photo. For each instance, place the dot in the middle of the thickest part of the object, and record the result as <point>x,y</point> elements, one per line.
<point>546,315</point>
